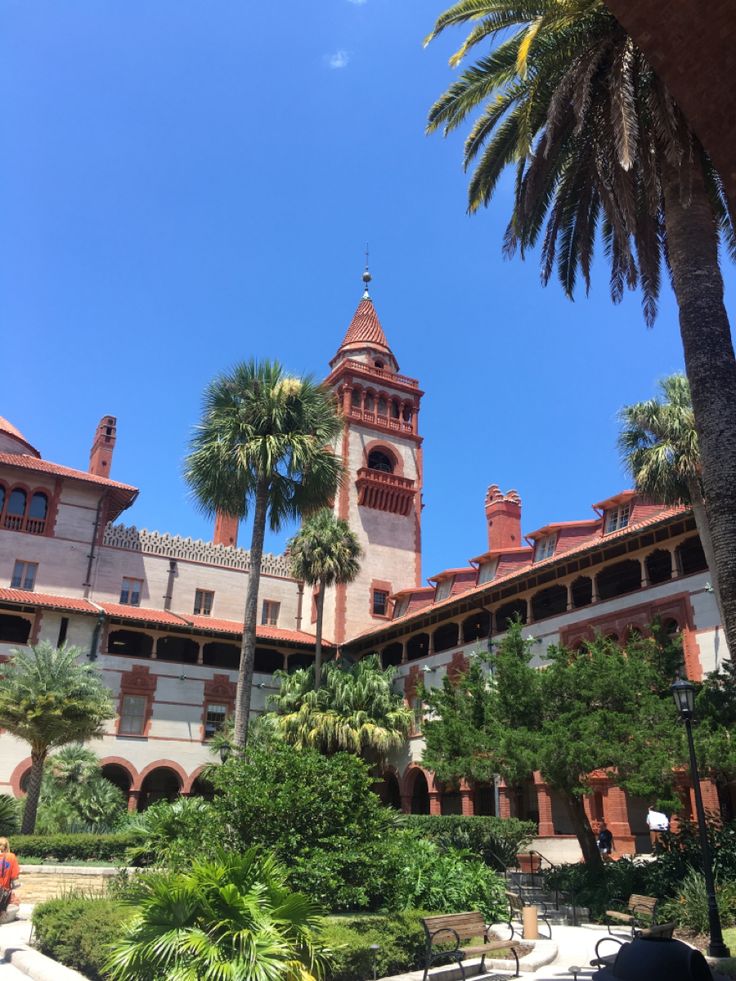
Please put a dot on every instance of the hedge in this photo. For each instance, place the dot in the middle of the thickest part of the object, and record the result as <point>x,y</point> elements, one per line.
<point>400,938</point>
<point>62,848</point>
<point>75,930</point>
<point>496,840</point>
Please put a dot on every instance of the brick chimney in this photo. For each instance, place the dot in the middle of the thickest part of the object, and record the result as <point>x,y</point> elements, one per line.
<point>226,529</point>
<point>100,456</point>
<point>503,514</point>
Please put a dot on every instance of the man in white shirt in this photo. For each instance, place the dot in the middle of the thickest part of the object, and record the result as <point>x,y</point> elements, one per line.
<point>657,823</point>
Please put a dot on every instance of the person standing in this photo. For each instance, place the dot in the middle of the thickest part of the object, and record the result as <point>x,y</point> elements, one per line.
<point>605,841</point>
<point>9,875</point>
<point>657,823</point>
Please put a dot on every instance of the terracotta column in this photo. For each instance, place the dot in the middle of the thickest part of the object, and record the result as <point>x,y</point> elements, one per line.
<point>616,816</point>
<point>504,801</point>
<point>435,804</point>
<point>544,805</point>
<point>467,799</point>
<point>406,803</point>
<point>569,596</point>
<point>644,575</point>
<point>133,798</point>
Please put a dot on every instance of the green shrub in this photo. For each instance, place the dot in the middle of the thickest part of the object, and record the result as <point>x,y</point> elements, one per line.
<point>164,832</point>
<point>496,840</point>
<point>690,908</point>
<point>597,888</point>
<point>74,929</point>
<point>62,848</point>
<point>400,938</point>
<point>9,815</point>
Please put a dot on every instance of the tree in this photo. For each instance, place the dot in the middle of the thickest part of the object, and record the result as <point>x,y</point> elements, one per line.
<point>48,699</point>
<point>75,796</point>
<point>659,446</point>
<point>598,708</point>
<point>356,710</point>
<point>264,442</point>
<point>325,552</point>
<point>600,146</point>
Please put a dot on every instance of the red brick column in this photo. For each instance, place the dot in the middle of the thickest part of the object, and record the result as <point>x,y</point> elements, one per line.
<point>504,801</point>
<point>467,799</point>
<point>133,798</point>
<point>435,805</point>
<point>544,805</point>
<point>616,816</point>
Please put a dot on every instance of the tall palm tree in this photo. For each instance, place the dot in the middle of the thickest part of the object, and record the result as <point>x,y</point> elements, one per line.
<point>355,711</point>
<point>48,699</point>
<point>264,442</point>
<point>659,446</point>
<point>325,552</point>
<point>599,144</point>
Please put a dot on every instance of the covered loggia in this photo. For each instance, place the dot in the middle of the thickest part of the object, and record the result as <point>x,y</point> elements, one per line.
<point>391,655</point>
<point>509,611</point>
<point>618,579</point>
<point>581,591</point>
<point>659,566</point>
<point>549,602</point>
<point>445,637</point>
<point>477,626</point>
<point>417,647</point>
<point>174,648</point>
<point>132,643</point>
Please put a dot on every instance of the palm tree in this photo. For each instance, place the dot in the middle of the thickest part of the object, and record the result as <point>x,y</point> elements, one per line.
<point>659,446</point>
<point>230,917</point>
<point>325,552</point>
<point>265,441</point>
<point>48,699</point>
<point>355,710</point>
<point>599,144</point>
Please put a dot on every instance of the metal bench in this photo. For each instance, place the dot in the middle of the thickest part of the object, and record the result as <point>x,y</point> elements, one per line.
<point>640,912</point>
<point>516,912</point>
<point>454,928</point>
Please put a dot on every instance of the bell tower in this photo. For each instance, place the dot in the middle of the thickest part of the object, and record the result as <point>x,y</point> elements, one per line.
<point>381,496</point>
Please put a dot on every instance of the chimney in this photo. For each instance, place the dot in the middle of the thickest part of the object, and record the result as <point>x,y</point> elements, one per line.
<point>100,456</point>
<point>503,514</point>
<point>226,529</point>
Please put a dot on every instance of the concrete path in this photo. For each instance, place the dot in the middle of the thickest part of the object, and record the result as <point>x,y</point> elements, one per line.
<point>19,960</point>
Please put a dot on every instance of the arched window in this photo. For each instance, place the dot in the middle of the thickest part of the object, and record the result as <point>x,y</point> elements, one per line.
<point>355,397</point>
<point>368,402</point>
<point>407,413</point>
<point>378,460</point>
<point>2,497</point>
<point>37,511</point>
<point>379,364</point>
<point>382,406</point>
<point>17,502</point>
<point>394,408</point>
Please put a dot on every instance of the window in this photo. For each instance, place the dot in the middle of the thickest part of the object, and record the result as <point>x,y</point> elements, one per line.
<point>133,715</point>
<point>203,600</point>
<point>443,589</point>
<point>270,613</point>
<point>380,603</point>
<point>617,518</point>
<point>401,607</point>
<point>487,571</point>
<point>24,575</point>
<point>214,719</point>
<point>545,547</point>
<point>130,591</point>
<point>377,460</point>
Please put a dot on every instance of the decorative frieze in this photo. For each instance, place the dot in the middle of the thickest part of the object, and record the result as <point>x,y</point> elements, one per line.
<point>190,549</point>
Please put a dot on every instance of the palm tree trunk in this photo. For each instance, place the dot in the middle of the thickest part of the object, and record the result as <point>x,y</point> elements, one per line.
<point>709,362</point>
<point>250,619</point>
<point>583,832</point>
<point>38,758</point>
<point>701,523</point>
<point>318,637</point>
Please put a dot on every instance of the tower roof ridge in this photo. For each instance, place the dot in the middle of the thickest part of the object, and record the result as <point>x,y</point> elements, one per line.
<point>365,328</point>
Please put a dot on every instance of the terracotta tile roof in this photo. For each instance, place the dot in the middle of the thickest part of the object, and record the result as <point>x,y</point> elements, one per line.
<point>47,600</point>
<point>446,573</point>
<point>235,627</point>
<point>365,328</point>
<point>11,430</point>
<point>143,614</point>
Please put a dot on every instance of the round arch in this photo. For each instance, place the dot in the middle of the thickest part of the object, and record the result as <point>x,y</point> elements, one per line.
<point>162,764</point>
<point>122,764</point>
<point>382,446</point>
<point>18,775</point>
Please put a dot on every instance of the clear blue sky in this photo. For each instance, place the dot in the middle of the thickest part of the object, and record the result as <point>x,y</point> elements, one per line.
<point>183,184</point>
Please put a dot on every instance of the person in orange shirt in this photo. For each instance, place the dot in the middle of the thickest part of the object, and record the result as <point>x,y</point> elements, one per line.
<point>9,874</point>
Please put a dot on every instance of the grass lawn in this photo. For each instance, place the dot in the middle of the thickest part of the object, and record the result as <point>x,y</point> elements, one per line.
<point>729,967</point>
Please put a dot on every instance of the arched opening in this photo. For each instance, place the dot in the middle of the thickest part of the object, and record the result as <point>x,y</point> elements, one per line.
<point>202,788</point>
<point>450,801</point>
<point>417,647</point>
<point>217,654</point>
<point>2,497</point>
<point>378,460</point>
<point>582,592</point>
<point>17,502</point>
<point>406,414</point>
<point>382,406</point>
<point>485,799</point>
<point>395,408</point>
<point>160,784</point>
<point>508,612</point>
<point>118,776</point>
<point>267,661</point>
<point>182,649</point>
<point>692,556</point>
<point>37,511</point>
<point>14,630</point>
<point>419,794</point>
<point>379,364</point>
<point>477,626</point>
<point>25,780</point>
<point>355,398</point>
<point>388,791</point>
<point>369,402</point>
<point>659,566</point>
<point>299,660</point>
<point>549,602</point>
<point>391,656</point>
<point>129,642</point>
<point>623,577</point>
<point>524,802</point>
<point>671,627</point>
<point>445,637</point>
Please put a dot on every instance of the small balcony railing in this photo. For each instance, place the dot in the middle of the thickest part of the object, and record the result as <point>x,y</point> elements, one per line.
<point>385,491</point>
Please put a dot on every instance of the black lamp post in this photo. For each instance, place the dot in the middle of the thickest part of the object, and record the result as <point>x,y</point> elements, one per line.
<point>225,750</point>
<point>684,695</point>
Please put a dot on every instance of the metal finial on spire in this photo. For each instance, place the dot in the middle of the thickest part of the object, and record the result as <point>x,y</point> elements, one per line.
<point>366,276</point>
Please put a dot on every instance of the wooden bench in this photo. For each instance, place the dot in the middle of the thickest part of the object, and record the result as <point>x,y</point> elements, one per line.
<point>661,930</point>
<point>454,928</point>
<point>640,912</point>
<point>516,912</point>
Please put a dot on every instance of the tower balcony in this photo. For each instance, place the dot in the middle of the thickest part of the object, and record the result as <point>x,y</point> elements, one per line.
<point>378,419</point>
<point>385,491</point>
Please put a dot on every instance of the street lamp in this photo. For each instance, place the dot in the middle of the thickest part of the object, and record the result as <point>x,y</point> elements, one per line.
<point>225,750</point>
<point>684,694</point>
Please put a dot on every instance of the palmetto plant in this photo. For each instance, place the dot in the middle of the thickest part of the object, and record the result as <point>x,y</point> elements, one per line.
<point>229,918</point>
<point>603,154</point>
<point>48,699</point>
<point>264,442</point>
<point>354,711</point>
<point>325,552</point>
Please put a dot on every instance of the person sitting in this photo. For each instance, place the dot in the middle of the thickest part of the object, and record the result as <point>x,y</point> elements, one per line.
<point>605,841</point>
<point>9,881</point>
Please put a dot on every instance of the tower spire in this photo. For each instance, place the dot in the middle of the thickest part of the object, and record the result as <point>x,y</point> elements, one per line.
<point>366,276</point>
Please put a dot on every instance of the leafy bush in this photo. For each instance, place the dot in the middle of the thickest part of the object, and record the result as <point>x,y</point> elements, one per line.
<point>496,840</point>
<point>400,938</point>
<point>75,929</point>
<point>106,848</point>
<point>690,908</point>
<point>232,916</point>
<point>164,832</point>
<point>596,888</point>
<point>9,815</point>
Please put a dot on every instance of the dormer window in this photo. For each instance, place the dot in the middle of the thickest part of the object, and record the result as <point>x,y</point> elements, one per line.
<point>487,571</point>
<point>617,518</point>
<point>401,607</point>
<point>545,547</point>
<point>444,589</point>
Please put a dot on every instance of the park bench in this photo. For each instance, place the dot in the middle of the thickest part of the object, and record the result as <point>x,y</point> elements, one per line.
<point>441,931</point>
<point>516,912</point>
<point>638,913</point>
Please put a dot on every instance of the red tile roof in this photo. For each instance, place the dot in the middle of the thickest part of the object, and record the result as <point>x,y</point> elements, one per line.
<point>11,430</point>
<point>143,614</point>
<point>47,600</point>
<point>216,625</point>
<point>365,329</point>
